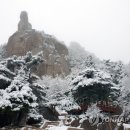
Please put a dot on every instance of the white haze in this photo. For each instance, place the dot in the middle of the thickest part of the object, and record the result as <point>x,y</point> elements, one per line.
<point>101,26</point>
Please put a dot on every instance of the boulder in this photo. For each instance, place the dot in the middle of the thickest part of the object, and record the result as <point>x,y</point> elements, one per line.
<point>87,126</point>
<point>107,126</point>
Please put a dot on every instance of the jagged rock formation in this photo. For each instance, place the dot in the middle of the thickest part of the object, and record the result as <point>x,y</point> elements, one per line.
<point>24,24</point>
<point>27,39</point>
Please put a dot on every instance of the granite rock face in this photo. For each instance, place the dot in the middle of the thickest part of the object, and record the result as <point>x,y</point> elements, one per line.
<point>27,39</point>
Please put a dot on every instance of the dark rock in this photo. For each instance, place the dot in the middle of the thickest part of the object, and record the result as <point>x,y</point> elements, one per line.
<point>48,113</point>
<point>107,126</point>
<point>4,83</point>
<point>87,126</point>
<point>75,123</point>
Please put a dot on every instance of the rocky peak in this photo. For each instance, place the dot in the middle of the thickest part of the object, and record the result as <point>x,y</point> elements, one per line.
<point>23,24</point>
<point>27,39</point>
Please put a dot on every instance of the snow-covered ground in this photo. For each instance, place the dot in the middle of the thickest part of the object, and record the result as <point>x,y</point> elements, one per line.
<point>58,128</point>
<point>64,128</point>
<point>126,126</point>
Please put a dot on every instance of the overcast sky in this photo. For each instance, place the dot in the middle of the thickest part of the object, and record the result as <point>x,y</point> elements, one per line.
<point>101,26</point>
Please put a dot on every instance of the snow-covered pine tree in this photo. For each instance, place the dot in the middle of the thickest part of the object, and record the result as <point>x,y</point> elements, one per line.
<point>16,96</point>
<point>124,98</point>
<point>93,85</point>
<point>115,69</point>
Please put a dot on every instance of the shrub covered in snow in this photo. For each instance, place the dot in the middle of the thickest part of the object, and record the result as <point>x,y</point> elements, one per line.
<point>56,89</point>
<point>34,116</point>
<point>92,112</point>
<point>54,85</point>
<point>2,51</point>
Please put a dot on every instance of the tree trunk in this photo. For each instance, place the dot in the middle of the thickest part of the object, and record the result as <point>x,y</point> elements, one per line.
<point>22,119</point>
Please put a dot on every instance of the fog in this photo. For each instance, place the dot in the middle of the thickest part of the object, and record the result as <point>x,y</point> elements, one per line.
<point>100,26</point>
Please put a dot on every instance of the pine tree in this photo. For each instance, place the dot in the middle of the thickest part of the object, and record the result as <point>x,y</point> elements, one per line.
<point>93,85</point>
<point>16,94</point>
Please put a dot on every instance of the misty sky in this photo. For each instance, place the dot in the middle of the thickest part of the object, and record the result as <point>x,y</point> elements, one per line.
<point>101,26</point>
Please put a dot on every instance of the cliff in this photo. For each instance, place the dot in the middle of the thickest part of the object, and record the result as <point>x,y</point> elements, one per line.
<point>27,39</point>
